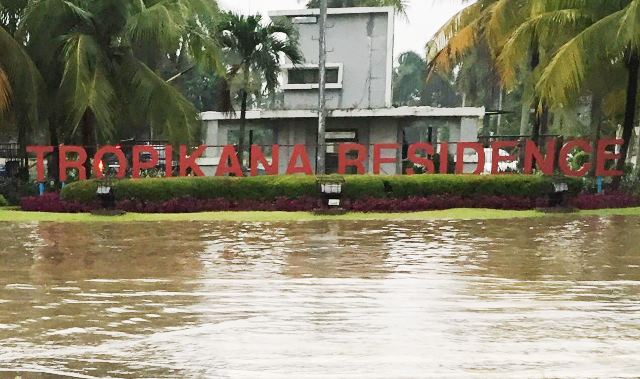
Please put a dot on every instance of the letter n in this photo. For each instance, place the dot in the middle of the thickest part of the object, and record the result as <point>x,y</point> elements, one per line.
<point>545,164</point>
<point>258,158</point>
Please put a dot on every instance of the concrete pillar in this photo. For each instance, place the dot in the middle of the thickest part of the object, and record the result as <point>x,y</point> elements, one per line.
<point>385,131</point>
<point>469,129</point>
<point>454,136</point>
<point>212,138</point>
<point>465,131</point>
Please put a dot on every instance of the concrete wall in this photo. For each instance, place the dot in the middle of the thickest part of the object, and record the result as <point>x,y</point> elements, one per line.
<point>466,131</point>
<point>289,132</point>
<point>361,43</point>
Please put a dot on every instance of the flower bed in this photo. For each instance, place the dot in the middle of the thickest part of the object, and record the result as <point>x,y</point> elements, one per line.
<point>604,201</point>
<point>270,188</point>
<point>299,193</point>
<point>52,202</point>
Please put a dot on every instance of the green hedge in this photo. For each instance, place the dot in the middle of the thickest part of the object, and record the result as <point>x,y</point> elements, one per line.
<point>272,187</point>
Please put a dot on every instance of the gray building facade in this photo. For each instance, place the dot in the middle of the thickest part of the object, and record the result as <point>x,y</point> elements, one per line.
<point>359,96</point>
<point>359,59</point>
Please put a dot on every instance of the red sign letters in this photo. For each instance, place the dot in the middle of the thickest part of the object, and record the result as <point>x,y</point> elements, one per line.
<point>350,155</point>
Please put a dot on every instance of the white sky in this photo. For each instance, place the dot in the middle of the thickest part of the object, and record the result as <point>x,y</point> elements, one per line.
<point>424,17</point>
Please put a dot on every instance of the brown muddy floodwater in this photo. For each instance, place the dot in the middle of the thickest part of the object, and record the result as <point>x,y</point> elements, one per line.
<point>557,297</point>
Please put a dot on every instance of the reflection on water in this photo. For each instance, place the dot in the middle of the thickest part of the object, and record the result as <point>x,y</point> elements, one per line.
<point>524,298</point>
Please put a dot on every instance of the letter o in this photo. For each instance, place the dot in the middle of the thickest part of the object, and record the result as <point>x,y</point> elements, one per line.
<point>110,150</point>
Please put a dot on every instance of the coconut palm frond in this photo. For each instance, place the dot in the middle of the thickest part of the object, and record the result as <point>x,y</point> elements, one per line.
<point>614,102</point>
<point>564,76</point>
<point>520,40</point>
<point>502,17</point>
<point>86,85</point>
<point>455,38</point>
<point>167,111</point>
<point>22,80</point>
<point>161,25</point>
<point>629,30</point>
<point>5,92</point>
<point>49,17</point>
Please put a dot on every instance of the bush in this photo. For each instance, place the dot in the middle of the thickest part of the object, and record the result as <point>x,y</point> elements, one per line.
<point>469,185</point>
<point>51,202</point>
<point>270,188</point>
<point>159,190</point>
<point>14,189</point>
<point>605,201</point>
<point>3,201</point>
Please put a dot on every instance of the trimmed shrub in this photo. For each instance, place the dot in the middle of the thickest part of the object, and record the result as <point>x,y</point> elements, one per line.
<point>467,185</point>
<point>51,202</point>
<point>270,188</point>
<point>14,189</point>
<point>607,200</point>
<point>159,190</point>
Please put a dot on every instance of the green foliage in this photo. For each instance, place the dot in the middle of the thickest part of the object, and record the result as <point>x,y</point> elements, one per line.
<point>3,201</point>
<point>262,187</point>
<point>12,190</point>
<point>411,87</point>
<point>84,71</point>
<point>252,51</point>
<point>356,187</point>
<point>467,185</point>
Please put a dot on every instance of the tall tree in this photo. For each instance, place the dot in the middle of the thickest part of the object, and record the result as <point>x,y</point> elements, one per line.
<point>613,38</point>
<point>252,53</point>
<point>512,30</point>
<point>97,80</point>
<point>410,86</point>
<point>21,84</point>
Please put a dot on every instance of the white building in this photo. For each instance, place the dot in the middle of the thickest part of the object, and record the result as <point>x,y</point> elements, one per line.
<point>359,95</point>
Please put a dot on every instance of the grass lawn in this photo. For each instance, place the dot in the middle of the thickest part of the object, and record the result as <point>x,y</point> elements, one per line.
<point>13,215</point>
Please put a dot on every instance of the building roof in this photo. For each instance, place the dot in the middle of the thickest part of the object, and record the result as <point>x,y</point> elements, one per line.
<point>331,11</point>
<point>400,112</point>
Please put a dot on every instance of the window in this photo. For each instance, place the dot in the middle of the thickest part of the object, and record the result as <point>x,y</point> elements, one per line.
<point>308,77</point>
<point>304,20</point>
<point>311,75</point>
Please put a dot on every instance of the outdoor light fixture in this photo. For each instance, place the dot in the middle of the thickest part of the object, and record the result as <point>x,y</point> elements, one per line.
<point>558,198</point>
<point>106,194</point>
<point>331,188</point>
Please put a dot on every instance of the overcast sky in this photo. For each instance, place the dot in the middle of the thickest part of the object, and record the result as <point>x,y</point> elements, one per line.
<point>424,17</point>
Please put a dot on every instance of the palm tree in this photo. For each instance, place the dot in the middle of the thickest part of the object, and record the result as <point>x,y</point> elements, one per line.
<point>409,79</point>
<point>253,53</point>
<point>21,85</point>
<point>96,78</point>
<point>514,30</point>
<point>615,39</point>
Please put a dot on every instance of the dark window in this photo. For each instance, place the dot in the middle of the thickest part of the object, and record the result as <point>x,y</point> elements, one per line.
<point>311,75</point>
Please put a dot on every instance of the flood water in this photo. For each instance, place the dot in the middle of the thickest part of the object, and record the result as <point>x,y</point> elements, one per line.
<point>557,297</point>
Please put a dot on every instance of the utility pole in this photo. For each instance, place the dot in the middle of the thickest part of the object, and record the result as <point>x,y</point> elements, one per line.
<point>322,101</point>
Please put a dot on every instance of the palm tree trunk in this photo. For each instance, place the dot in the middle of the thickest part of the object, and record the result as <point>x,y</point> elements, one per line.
<point>499,118</point>
<point>526,108</point>
<point>23,172</point>
<point>88,139</point>
<point>596,120</point>
<point>633,67</point>
<point>243,127</point>
<point>524,118</point>
<point>54,159</point>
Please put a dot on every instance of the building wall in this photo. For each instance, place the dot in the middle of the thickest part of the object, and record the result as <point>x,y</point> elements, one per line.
<point>288,133</point>
<point>361,43</point>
